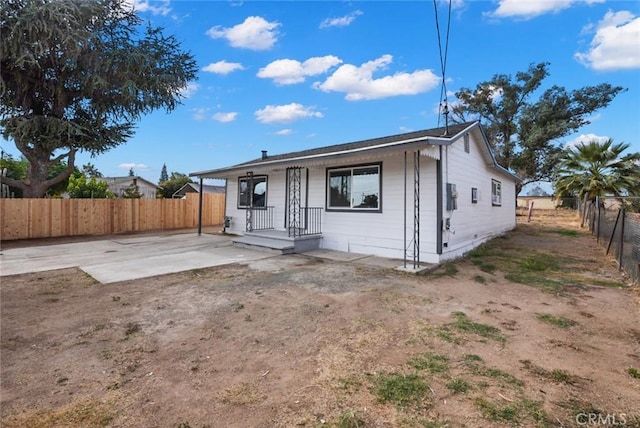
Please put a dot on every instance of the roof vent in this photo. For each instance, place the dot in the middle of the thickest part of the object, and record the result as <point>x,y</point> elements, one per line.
<point>264,154</point>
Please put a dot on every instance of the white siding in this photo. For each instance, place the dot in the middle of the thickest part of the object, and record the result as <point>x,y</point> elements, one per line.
<point>474,223</point>
<point>382,233</point>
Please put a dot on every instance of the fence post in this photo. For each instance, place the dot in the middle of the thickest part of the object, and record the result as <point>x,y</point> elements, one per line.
<point>613,232</point>
<point>621,240</point>
<point>598,222</point>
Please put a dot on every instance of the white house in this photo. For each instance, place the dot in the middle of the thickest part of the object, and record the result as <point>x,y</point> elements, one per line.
<point>119,185</point>
<point>424,196</point>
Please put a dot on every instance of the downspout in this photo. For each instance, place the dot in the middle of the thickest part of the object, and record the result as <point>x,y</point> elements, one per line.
<point>404,248</point>
<point>439,202</point>
<point>200,209</point>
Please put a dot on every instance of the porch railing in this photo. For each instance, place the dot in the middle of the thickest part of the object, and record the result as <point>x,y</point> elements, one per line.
<point>261,218</point>
<point>310,222</point>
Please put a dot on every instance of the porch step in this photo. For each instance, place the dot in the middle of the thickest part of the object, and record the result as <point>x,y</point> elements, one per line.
<point>277,242</point>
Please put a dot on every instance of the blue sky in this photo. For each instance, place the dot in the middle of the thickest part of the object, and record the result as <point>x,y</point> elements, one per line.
<point>291,75</point>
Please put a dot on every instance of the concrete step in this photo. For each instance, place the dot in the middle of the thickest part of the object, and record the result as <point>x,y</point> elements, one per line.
<point>277,242</point>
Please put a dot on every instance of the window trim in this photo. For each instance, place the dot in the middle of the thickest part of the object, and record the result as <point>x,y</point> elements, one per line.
<point>496,193</point>
<point>266,192</point>
<point>467,144</point>
<point>352,167</point>
<point>474,195</point>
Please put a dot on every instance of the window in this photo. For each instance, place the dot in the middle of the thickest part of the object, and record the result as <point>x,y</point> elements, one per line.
<point>474,195</point>
<point>354,188</point>
<point>466,142</point>
<point>496,193</point>
<point>259,192</point>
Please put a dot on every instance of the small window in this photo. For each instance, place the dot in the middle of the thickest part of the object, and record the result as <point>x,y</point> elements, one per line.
<point>259,192</point>
<point>474,195</point>
<point>496,193</point>
<point>354,188</point>
<point>466,142</point>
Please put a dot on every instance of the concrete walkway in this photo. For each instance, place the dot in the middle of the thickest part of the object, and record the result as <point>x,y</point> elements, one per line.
<point>126,258</point>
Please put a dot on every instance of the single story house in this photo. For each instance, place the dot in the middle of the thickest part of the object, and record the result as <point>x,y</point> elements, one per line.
<point>424,196</point>
<point>119,185</point>
<point>195,188</point>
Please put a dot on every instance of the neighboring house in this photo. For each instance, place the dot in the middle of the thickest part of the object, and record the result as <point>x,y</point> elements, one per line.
<point>428,195</point>
<point>539,202</point>
<point>195,188</point>
<point>118,185</point>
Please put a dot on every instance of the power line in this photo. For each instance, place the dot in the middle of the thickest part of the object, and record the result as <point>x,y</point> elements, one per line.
<point>444,106</point>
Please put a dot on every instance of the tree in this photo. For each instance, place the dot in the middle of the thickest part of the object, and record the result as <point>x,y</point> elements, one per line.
<point>79,187</point>
<point>132,192</point>
<point>598,169</point>
<point>75,77</point>
<point>537,191</point>
<point>525,133</point>
<point>164,176</point>
<point>131,173</point>
<point>175,182</point>
<point>89,170</point>
<point>14,169</point>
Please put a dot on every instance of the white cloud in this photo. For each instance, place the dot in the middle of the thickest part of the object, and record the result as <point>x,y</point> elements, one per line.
<point>223,67</point>
<point>284,132</point>
<point>615,44</point>
<point>199,113</point>
<point>342,21</point>
<point>285,113</point>
<point>189,90</point>
<point>145,6</point>
<point>530,9</point>
<point>225,117</point>
<point>254,33</point>
<point>584,139</point>
<point>358,82</point>
<point>134,166</point>
<point>290,71</point>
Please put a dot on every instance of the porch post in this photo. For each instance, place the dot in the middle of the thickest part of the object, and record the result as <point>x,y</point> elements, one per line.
<point>249,213</point>
<point>416,209</point>
<point>293,199</point>
<point>200,209</point>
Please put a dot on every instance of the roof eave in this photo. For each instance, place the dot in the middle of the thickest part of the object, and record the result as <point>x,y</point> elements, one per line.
<point>394,145</point>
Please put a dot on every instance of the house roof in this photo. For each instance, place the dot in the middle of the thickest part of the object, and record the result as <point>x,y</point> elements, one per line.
<point>195,188</point>
<point>436,136</point>
<point>125,179</point>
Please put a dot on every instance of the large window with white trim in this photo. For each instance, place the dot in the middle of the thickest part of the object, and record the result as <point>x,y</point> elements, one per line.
<point>259,191</point>
<point>354,188</point>
<point>496,193</point>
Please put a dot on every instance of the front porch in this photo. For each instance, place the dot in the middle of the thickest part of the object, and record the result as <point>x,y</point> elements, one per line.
<point>278,241</point>
<point>303,232</point>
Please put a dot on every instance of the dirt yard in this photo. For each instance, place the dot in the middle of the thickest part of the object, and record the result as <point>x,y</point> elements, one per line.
<point>536,328</point>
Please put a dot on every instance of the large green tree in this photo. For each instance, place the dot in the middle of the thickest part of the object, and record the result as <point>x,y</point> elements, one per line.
<point>596,169</point>
<point>76,76</point>
<point>525,123</point>
<point>173,184</point>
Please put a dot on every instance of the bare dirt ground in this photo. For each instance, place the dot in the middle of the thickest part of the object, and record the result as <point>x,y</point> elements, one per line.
<point>537,328</point>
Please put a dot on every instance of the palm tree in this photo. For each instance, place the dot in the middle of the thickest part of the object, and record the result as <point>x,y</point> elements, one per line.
<point>597,169</point>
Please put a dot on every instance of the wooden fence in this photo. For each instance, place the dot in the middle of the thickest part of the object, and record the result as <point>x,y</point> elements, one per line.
<point>45,218</point>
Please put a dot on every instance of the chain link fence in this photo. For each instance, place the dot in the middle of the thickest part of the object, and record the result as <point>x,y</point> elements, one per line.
<point>615,221</point>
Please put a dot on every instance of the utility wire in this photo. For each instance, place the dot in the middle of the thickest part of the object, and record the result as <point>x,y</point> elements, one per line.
<point>444,106</point>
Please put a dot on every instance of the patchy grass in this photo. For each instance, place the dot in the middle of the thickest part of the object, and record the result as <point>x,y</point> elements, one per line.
<point>556,375</point>
<point>480,279</point>
<point>82,413</point>
<point>433,363</point>
<point>480,369</point>
<point>566,232</point>
<point>559,321</point>
<point>463,323</point>
<point>634,372</point>
<point>458,386</point>
<point>445,269</point>
<point>515,413</point>
<point>348,419</point>
<point>401,390</point>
